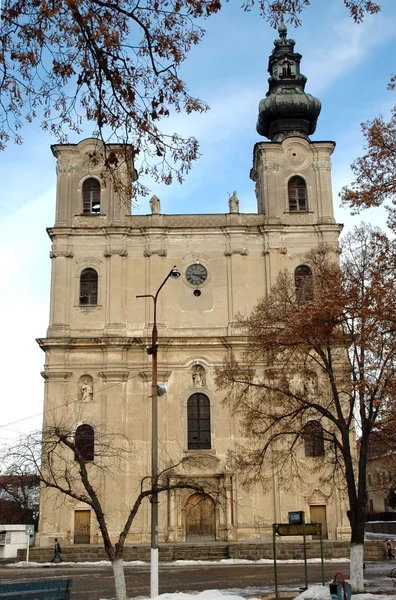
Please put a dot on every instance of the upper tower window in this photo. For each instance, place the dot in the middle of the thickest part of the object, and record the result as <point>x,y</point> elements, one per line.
<point>297,191</point>
<point>85,442</point>
<point>303,283</point>
<point>91,196</point>
<point>313,439</point>
<point>89,287</point>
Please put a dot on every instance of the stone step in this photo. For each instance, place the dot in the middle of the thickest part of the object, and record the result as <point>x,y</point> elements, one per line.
<point>374,550</point>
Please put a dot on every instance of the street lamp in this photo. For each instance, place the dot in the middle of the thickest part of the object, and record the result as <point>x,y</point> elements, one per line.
<point>153,350</point>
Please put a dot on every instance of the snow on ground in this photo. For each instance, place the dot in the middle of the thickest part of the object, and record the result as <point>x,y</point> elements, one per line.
<point>137,563</point>
<point>320,592</point>
<point>316,592</point>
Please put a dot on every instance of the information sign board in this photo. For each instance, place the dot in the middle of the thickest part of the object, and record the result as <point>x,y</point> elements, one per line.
<point>296,529</point>
<point>296,516</point>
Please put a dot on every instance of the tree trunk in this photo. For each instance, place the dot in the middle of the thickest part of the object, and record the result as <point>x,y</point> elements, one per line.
<point>356,568</point>
<point>119,578</point>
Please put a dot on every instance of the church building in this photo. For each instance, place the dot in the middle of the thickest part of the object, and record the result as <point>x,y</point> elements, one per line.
<point>98,373</point>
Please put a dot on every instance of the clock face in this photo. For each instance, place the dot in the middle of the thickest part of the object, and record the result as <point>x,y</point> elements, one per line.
<point>196,274</point>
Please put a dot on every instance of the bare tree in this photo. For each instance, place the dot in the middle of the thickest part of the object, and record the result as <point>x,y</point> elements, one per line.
<point>76,466</point>
<point>319,365</point>
<point>114,64</point>
<point>19,496</point>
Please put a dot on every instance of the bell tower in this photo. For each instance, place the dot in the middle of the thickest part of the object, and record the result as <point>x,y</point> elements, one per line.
<point>292,173</point>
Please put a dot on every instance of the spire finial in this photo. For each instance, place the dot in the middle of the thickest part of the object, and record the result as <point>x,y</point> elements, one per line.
<point>282,29</point>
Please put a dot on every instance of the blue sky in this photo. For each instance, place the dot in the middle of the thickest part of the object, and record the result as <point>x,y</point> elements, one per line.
<point>348,67</point>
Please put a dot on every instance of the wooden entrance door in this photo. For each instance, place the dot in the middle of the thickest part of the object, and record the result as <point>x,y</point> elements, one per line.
<point>82,526</point>
<point>200,517</point>
<point>318,515</point>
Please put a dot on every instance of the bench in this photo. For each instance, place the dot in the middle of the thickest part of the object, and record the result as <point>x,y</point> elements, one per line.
<point>51,589</point>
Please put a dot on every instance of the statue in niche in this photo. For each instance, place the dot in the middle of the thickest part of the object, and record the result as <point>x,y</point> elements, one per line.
<point>155,205</point>
<point>295,385</point>
<point>198,376</point>
<point>310,388</point>
<point>86,391</point>
<point>233,203</point>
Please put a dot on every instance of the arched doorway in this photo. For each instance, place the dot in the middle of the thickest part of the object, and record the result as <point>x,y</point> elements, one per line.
<point>200,517</point>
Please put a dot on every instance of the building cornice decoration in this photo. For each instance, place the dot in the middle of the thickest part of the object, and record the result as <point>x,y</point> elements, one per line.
<point>56,375</point>
<point>111,252</point>
<point>282,250</point>
<point>161,252</point>
<point>162,375</point>
<point>65,253</point>
<point>322,165</point>
<point>241,251</point>
<point>116,375</point>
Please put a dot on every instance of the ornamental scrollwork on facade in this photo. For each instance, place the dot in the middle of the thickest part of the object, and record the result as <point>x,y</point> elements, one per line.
<point>231,251</point>
<point>64,253</point>
<point>322,165</point>
<point>271,166</point>
<point>66,167</point>
<point>161,252</point>
<point>120,251</point>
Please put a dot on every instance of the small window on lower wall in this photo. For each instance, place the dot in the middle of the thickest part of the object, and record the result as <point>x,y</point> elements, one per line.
<point>198,409</point>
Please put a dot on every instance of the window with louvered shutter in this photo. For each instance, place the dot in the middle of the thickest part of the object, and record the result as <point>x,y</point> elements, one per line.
<point>89,287</point>
<point>297,190</point>
<point>198,409</point>
<point>91,196</point>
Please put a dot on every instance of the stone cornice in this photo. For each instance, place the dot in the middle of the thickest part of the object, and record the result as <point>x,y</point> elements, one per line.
<point>93,342</point>
<point>115,375</point>
<point>56,375</point>
<point>163,375</point>
<point>136,226</point>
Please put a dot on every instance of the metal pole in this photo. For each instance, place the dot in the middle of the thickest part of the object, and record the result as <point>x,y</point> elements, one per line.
<point>154,576</point>
<point>305,554</point>
<point>153,351</point>
<point>275,567</point>
<point>321,554</point>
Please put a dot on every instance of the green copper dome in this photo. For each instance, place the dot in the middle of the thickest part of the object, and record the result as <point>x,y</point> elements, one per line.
<point>287,110</point>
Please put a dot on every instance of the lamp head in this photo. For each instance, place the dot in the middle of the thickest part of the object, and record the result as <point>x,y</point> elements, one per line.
<point>175,273</point>
<point>161,389</point>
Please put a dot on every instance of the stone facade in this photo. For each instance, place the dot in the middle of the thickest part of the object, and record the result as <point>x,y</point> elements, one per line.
<point>97,369</point>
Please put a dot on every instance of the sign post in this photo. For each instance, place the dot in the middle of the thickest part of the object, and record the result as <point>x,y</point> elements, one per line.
<point>29,529</point>
<point>297,526</point>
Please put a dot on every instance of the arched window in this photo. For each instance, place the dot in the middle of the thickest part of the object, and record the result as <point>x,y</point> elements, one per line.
<point>313,439</point>
<point>91,196</point>
<point>297,191</point>
<point>85,442</point>
<point>198,409</point>
<point>303,283</point>
<point>89,287</point>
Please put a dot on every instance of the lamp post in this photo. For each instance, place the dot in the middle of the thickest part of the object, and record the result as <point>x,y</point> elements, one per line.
<point>153,351</point>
